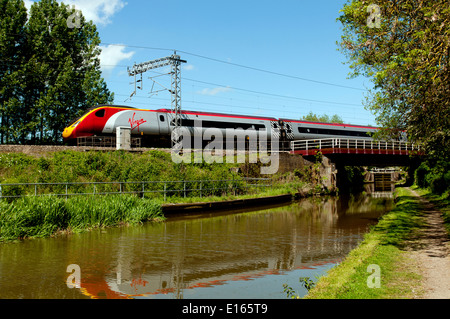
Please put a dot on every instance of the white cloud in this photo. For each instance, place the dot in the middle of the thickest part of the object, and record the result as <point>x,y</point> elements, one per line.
<point>188,67</point>
<point>99,11</point>
<point>111,56</point>
<point>28,4</point>
<point>215,91</point>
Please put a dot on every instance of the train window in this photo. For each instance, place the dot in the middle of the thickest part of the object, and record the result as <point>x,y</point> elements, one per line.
<point>223,125</point>
<point>100,113</point>
<point>303,130</point>
<point>161,118</point>
<point>331,132</point>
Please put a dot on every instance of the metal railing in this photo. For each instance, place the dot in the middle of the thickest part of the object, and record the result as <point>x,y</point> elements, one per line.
<point>105,141</point>
<point>378,170</point>
<point>185,188</point>
<point>344,143</point>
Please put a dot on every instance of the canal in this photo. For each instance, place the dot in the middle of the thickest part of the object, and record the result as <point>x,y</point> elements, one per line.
<point>236,255</point>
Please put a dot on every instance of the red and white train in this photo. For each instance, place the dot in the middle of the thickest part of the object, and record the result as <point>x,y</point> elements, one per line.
<point>154,126</point>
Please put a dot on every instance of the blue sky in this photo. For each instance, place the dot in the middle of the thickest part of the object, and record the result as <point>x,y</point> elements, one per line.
<point>296,38</point>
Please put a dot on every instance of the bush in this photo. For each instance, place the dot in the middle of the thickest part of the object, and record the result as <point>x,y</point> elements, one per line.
<point>439,184</point>
<point>433,175</point>
<point>420,175</point>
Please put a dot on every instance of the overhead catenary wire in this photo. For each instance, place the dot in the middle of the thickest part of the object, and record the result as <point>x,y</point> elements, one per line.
<point>273,72</point>
<point>293,114</point>
<point>234,64</point>
<point>241,66</point>
<point>280,100</point>
<point>272,94</point>
<point>260,92</point>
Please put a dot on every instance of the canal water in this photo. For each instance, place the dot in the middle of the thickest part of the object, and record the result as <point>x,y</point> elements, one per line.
<point>236,255</point>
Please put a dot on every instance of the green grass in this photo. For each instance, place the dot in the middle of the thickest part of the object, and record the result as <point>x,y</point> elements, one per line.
<point>253,192</point>
<point>382,246</point>
<point>34,217</point>
<point>82,167</point>
<point>109,168</point>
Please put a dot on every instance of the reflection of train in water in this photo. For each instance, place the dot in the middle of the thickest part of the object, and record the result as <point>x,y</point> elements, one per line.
<point>155,126</point>
<point>240,250</point>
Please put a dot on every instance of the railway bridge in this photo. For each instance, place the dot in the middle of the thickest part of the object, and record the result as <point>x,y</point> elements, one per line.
<point>341,152</point>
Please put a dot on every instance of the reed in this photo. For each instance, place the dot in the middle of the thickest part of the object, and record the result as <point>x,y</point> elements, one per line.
<point>34,217</point>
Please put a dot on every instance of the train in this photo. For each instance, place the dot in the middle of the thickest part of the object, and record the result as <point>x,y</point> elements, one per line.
<point>155,127</point>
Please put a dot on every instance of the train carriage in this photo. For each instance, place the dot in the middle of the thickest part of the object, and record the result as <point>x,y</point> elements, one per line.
<point>155,126</point>
<point>305,130</point>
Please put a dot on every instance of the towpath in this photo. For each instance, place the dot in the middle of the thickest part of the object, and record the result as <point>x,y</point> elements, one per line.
<point>431,250</point>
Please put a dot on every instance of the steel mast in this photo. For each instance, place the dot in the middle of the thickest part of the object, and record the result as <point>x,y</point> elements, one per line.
<point>175,62</point>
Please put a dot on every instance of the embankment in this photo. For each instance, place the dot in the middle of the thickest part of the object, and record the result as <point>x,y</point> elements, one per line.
<point>53,166</point>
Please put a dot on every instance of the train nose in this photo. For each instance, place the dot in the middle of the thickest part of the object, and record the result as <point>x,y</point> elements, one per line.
<point>67,133</point>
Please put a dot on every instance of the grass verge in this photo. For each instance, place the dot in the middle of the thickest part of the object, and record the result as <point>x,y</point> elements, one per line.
<point>253,192</point>
<point>35,217</point>
<point>382,246</point>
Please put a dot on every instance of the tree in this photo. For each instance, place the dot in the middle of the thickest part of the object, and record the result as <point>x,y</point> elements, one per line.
<point>322,118</point>
<point>13,17</point>
<point>58,71</point>
<point>404,47</point>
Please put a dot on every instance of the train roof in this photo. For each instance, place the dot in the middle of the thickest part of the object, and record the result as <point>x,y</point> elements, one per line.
<point>249,117</point>
<point>187,112</point>
<point>331,124</point>
<point>109,105</point>
<point>97,107</point>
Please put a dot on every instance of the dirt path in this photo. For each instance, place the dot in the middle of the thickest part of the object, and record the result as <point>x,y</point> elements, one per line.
<point>431,249</point>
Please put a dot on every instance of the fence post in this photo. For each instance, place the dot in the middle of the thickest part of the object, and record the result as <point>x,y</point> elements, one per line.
<point>233,187</point>
<point>184,188</point>
<point>143,190</point>
<point>35,190</point>
<point>165,185</point>
<point>66,191</point>
<point>201,184</point>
